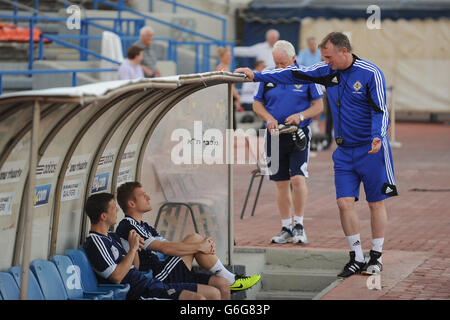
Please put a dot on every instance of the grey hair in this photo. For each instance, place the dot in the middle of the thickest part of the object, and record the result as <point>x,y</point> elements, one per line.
<point>268,32</point>
<point>144,30</point>
<point>285,46</point>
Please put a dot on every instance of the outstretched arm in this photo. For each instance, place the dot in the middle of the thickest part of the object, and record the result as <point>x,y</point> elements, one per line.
<point>318,73</point>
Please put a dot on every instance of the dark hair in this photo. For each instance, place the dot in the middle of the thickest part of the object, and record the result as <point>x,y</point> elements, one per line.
<point>97,204</point>
<point>338,39</point>
<point>125,193</point>
<point>133,52</point>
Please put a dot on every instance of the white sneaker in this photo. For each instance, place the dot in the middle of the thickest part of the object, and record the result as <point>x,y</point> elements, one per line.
<point>298,234</point>
<point>283,237</point>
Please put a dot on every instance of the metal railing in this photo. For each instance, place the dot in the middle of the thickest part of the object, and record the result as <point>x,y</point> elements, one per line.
<point>122,27</point>
<point>83,38</point>
<point>83,51</point>
<point>176,5</point>
<point>120,7</point>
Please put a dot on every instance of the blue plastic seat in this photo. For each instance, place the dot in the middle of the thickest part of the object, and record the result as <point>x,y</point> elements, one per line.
<point>70,275</point>
<point>89,280</point>
<point>34,290</point>
<point>49,280</point>
<point>8,287</point>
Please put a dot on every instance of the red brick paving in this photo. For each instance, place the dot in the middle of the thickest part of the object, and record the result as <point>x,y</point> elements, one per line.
<point>418,221</point>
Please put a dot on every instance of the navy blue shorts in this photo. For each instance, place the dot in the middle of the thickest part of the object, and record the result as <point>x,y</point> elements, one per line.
<point>156,290</point>
<point>290,161</point>
<point>175,271</point>
<point>376,171</point>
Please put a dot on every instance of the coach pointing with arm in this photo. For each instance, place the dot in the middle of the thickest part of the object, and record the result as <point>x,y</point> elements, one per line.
<point>357,96</point>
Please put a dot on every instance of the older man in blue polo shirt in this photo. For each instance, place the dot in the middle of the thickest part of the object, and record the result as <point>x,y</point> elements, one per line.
<point>290,105</point>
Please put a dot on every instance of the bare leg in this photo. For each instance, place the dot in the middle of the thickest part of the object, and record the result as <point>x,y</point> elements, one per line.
<point>209,292</point>
<point>190,295</point>
<point>349,218</point>
<point>378,216</point>
<point>284,199</point>
<point>222,285</point>
<point>299,194</point>
<point>206,261</point>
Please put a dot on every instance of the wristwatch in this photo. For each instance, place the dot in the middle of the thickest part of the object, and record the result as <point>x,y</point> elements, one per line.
<point>301,116</point>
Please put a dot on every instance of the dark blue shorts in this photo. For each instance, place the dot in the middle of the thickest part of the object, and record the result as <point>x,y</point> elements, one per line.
<point>290,161</point>
<point>158,290</point>
<point>175,271</point>
<point>376,171</point>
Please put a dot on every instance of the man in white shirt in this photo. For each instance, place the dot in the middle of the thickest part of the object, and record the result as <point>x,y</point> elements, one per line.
<point>260,51</point>
<point>249,89</point>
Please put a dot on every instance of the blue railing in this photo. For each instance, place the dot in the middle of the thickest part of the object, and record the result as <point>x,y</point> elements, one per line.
<point>82,50</point>
<point>118,28</point>
<point>172,55</point>
<point>205,48</point>
<point>85,24</point>
<point>120,7</point>
<point>176,5</point>
<point>73,71</point>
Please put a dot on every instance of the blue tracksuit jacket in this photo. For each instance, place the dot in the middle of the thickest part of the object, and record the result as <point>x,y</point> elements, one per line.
<point>357,97</point>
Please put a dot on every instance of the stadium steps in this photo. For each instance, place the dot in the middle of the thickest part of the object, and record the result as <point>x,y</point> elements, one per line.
<point>15,82</point>
<point>291,274</point>
<point>58,53</point>
<point>294,283</point>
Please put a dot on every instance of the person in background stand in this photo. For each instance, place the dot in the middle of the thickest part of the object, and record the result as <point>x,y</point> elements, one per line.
<point>260,51</point>
<point>131,67</point>
<point>224,65</point>
<point>311,55</point>
<point>149,59</point>
<point>248,91</point>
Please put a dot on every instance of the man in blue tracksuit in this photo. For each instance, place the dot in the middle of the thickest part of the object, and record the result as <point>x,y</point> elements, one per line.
<point>357,96</point>
<point>287,105</point>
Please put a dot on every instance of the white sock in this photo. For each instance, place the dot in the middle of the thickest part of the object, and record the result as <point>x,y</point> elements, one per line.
<point>287,223</point>
<point>219,270</point>
<point>298,219</point>
<point>377,245</point>
<point>354,242</point>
